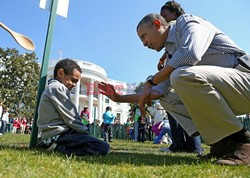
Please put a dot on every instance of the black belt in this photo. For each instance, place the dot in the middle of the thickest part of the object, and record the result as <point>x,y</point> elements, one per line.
<point>243,64</point>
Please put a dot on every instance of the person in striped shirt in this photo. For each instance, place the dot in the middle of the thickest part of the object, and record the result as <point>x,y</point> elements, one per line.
<point>170,11</point>
<point>206,74</point>
<point>204,83</point>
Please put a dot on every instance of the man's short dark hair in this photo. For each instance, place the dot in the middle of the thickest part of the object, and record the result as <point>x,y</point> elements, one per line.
<point>149,19</point>
<point>68,66</point>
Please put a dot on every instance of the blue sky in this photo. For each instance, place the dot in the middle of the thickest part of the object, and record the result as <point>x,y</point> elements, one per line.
<point>104,31</point>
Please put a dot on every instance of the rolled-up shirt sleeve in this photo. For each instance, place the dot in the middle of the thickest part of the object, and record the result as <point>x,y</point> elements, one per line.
<point>193,40</point>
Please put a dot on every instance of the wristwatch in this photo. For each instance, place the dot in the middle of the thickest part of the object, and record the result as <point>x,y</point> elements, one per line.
<point>150,80</point>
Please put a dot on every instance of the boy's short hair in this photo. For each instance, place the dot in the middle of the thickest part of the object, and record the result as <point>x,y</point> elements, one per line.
<point>68,65</point>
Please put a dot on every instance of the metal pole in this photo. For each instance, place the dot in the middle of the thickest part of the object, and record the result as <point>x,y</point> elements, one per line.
<point>44,69</point>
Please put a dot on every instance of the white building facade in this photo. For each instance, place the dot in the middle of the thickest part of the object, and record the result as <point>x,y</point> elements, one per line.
<point>86,92</point>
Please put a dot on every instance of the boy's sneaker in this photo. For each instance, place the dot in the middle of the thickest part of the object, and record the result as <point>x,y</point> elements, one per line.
<point>166,150</point>
<point>52,147</point>
<point>164,139</point>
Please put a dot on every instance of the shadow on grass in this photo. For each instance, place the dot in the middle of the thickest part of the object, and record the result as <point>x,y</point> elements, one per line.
<point>116,158</point>
<point>149,159</point>
<point>131,156</point>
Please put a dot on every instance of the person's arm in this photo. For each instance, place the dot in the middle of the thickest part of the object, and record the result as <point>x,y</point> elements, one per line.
<point>195,40</point>
<point>109,91</point>
<point>196,35</point>
<point>112,116</point>
<point>159,127</point>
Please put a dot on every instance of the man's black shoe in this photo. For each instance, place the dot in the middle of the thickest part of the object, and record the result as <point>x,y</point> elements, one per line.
<point>239,155</point>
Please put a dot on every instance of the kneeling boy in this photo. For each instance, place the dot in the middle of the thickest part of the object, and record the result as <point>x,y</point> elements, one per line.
<point>58,120</point>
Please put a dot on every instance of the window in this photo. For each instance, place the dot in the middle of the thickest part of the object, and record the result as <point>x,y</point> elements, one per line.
<point>118,118</point>
<point>106,100</point>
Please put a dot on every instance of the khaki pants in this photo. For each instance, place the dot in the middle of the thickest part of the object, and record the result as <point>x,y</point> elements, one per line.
<point>212,96</point>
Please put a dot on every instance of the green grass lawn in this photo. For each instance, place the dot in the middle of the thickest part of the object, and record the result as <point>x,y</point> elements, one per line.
<point>126,159</point>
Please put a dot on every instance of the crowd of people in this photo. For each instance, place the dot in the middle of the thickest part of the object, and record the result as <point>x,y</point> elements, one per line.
<point>11,124</point>
<point>160,127</point>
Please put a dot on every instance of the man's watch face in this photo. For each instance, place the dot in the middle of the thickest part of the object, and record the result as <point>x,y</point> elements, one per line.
<point>151,78</point>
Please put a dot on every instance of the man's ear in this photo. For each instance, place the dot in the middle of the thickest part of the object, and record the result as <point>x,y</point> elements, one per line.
<point>60,72</point>
<point>157,23</point>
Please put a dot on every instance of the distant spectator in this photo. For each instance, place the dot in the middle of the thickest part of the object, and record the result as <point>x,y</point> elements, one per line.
<point>9,124</point>
<point>85,116</point>
<point>141,129</point>
<point>149,124</point>
<point>108,119</point>
<point>136,114</point>
<point>5,120</point>
<point>1,109</point>
<point>165,129</point>
<point>15,125</point>
<point>23,125</point>
<point>158,114</point>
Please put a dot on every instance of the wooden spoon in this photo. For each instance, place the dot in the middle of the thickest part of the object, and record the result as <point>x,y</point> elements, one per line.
<point>22,40</point>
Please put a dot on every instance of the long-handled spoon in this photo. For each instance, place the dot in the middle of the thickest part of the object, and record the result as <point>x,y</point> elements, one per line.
<point>22,40</point>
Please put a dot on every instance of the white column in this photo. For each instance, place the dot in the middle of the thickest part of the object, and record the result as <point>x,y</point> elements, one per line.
<point>103,103</point>
<point>90,97</point>
<point>124,113</point>
<point>77,90</point>
<point>100,102</point>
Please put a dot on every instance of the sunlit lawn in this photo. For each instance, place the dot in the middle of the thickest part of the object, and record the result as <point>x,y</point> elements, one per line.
<point>126,159</point>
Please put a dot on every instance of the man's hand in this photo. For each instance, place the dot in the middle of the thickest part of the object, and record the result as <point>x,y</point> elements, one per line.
<point>160,65</point>
<point>144,98</point>
<point>161,61</point>
<point>108,90</point>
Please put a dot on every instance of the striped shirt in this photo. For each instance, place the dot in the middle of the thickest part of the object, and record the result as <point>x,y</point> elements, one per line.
<point>194,41</point>
<point>198,42</point>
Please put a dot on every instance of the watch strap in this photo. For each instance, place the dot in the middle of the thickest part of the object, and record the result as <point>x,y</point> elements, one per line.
<point>150,81</point>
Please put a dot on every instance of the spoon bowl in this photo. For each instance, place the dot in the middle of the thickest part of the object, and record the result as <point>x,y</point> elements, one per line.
<point>22,40</point>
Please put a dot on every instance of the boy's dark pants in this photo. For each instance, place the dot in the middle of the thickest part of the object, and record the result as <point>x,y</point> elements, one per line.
<point>81,145</point>
<point>108,130</point>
